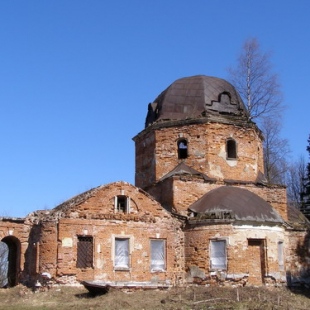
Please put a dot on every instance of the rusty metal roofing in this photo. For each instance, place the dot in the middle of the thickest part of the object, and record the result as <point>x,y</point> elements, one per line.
<point>236,203</point>
<point>296,219</point>
<point>193,97</point>
<point>183,169</point>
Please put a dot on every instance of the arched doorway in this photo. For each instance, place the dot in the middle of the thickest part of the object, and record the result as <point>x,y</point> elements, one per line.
<point>10,260</point>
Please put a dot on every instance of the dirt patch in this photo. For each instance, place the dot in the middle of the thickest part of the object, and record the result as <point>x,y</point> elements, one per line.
<point>244,298</point>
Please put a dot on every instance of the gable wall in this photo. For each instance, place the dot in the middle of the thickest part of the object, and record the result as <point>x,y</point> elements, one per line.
<point>96,217</point>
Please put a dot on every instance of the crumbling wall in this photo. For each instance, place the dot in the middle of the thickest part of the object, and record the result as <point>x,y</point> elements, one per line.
<point>93,214</point>
<point>298,257</point>
<point>157,152</point>
<point>242,267</point>
<point>18,231</point>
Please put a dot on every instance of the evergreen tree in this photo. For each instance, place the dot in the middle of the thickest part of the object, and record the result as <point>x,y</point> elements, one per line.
<point>305,195</point>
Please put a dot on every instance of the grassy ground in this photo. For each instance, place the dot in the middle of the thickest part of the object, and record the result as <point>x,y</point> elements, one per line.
<point>22,298</point>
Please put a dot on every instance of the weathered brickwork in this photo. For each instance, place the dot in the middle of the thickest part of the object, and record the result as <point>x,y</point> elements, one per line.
<point>157,152</point>
<point>298,257</point>
<point>178,193</point>
<point>240,255</point>
<point>96,217</point>
<point>15,233</point>
<point>201,215</point>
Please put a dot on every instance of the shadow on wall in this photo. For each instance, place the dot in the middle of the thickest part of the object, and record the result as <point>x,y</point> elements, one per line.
<point>30,272</point>
<point>299,280</point>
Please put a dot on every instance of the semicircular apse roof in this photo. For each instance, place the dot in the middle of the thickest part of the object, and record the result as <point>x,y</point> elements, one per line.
<point>193,97</point>
<point>242,204</point>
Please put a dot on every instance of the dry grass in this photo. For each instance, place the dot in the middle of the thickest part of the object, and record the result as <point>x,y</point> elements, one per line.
<point>22,298</point>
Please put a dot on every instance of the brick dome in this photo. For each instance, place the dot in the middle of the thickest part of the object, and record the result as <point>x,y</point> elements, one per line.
<point>193,97</point>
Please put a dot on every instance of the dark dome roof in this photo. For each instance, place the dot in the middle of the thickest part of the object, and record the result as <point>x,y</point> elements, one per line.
<point>242,204</point>
<point>193,97</point>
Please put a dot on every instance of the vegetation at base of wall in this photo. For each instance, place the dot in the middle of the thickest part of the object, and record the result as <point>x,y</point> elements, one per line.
<point>198,297</point>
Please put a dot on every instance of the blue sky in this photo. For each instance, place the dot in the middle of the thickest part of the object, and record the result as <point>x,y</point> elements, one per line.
<point>76,78</point>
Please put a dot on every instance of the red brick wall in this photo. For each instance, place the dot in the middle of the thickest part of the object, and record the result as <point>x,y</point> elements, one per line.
<point>240,265</point>
<point>97,218</point>
<point>157,154</point>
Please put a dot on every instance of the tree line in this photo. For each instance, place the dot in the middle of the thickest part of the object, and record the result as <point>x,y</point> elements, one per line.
<point>259,88</point>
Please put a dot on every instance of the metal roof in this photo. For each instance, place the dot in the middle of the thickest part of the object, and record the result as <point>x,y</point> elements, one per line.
<point>193,97</point>
<point>239,203</point>
<point>183,169</point>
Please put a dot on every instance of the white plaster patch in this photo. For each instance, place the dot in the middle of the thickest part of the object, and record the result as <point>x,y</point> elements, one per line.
<point>222,152</point>
<point>271,228</point>
<point>216,171</point>
<point>67,242</point>
<point>231,162</point>
<point>138,246</point>
<point>250,168</point>
<point>99,263</point>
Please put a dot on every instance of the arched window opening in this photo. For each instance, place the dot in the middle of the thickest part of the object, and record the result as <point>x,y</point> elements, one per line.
<point>10,261</point>
<point>231,149</point>
<point>225,98</point>
<point>182,149</point>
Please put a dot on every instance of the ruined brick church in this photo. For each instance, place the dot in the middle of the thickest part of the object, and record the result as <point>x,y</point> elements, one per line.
<point>200,211</point>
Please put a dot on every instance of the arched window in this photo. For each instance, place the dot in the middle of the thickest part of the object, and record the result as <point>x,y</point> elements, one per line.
<point>182,149</point>
<point>231,149</point>
<point>225,98</point>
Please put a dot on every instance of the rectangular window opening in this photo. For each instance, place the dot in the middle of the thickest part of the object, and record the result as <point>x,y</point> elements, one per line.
<point>281,255</point>
<point>218,254</point>
<point>122,204</point>
<point>84,252</point>
<point>158,255</point>
<point>121,255</point>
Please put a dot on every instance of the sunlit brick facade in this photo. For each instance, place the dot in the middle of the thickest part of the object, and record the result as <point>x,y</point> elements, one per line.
<point>201,211</point>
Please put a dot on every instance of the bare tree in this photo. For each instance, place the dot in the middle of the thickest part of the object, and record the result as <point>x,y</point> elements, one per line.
<point>276,152</point>
<point>257,85</point>
<point>295,177</point>
<point>305,193</point>
<point>259,88</point>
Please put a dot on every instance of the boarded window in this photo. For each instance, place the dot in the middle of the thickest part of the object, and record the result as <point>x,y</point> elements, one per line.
<point>218,254</point>
<point>4,264</point>
<point>158,255</point>
<point>182,149</point>
<point>280,255</point>
<point>231,149</point>
<point>84,252</point>
<point>121,255</point>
